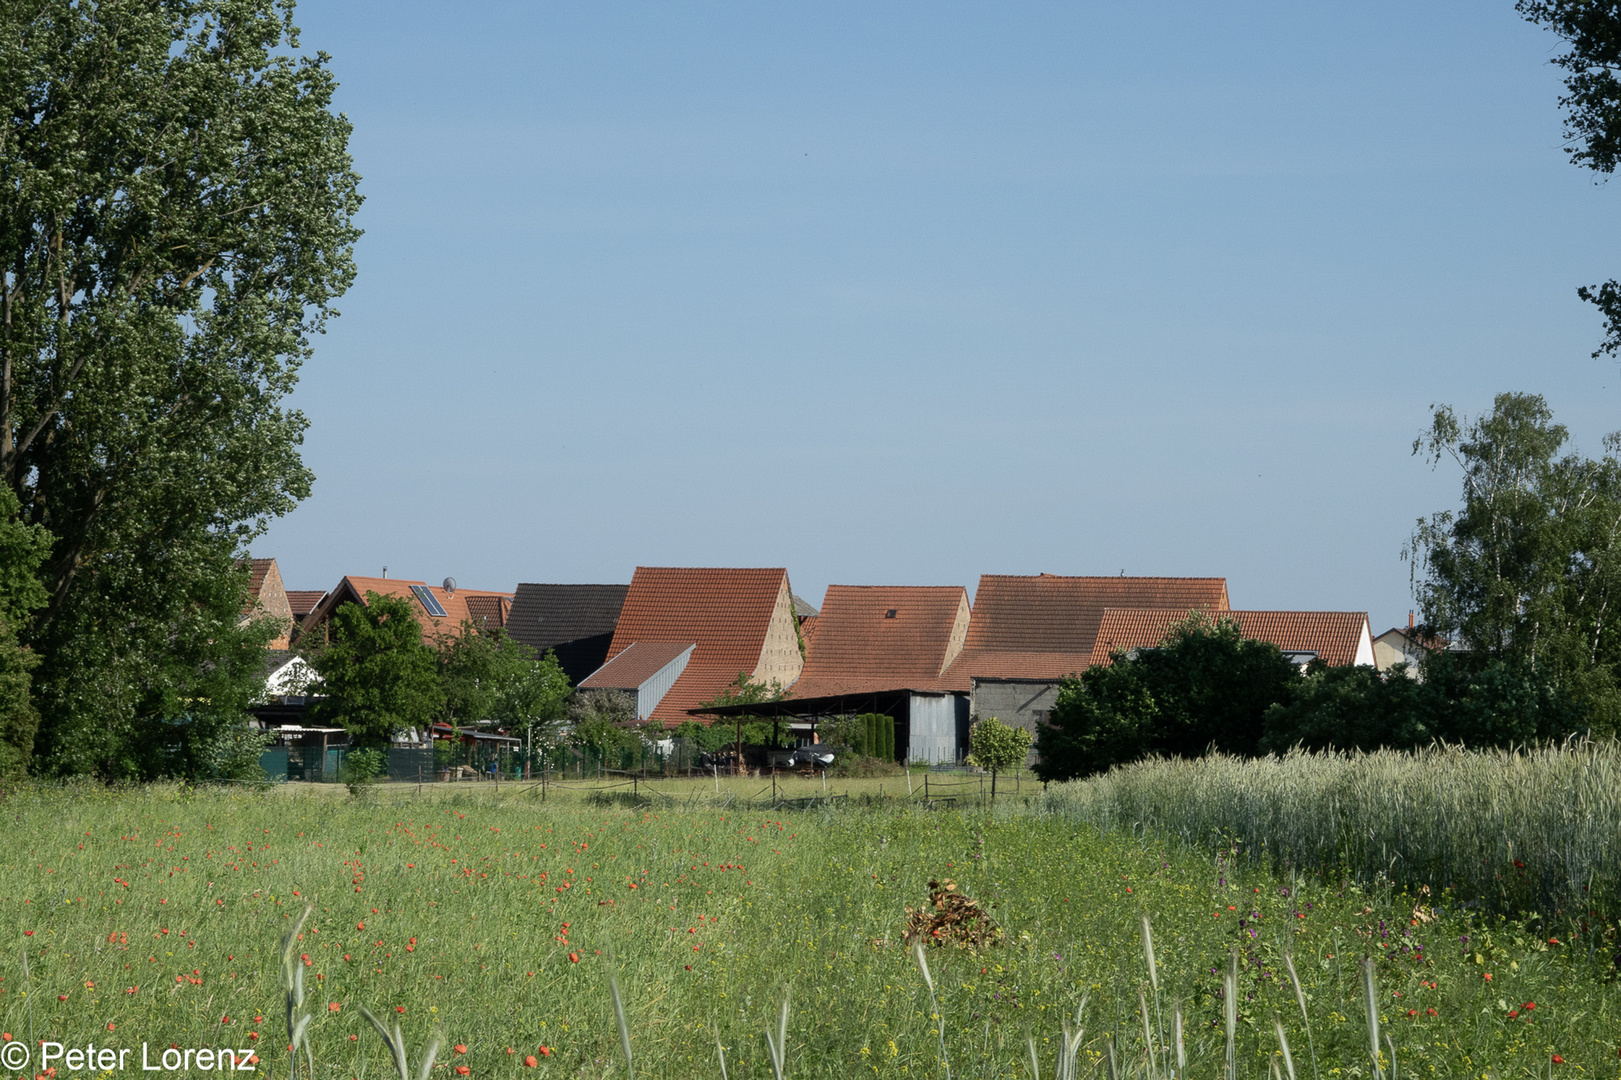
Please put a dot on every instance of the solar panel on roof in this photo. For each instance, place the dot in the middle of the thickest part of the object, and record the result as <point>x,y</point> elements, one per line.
<point>430,603</point>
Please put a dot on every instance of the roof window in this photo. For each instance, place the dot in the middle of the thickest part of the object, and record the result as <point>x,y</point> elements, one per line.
<point>890,614</point>
<point>430,603</point>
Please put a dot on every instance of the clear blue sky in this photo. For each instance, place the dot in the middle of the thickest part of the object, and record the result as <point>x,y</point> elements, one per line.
<point>905,293</point>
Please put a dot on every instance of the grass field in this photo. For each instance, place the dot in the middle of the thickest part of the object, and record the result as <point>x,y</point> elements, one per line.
<point>153,917</point>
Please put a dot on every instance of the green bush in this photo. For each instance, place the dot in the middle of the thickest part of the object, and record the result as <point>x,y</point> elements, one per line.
<point>362,768</point>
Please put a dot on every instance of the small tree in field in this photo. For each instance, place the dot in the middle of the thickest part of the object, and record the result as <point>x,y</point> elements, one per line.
<point>994,746</point>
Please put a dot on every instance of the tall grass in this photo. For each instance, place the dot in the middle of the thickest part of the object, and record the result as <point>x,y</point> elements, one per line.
<point>1518,830</point>
<point>510,931</point>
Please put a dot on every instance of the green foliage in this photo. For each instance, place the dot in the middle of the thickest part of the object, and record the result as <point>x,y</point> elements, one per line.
<point>995,747</point>
<point>1204,686</point>
<point>1528,570</point>
<point>486,675</point>
<point>745,691</point>
<point>535,692</point>
<point>867,735</point>
<point>600,721</point>
<point>1592,104</point>
<point>1459,701</point>
<point>705,738</point>
<point>175,225</point>
<point>18,718</point>
<point>23,548</point>
<point>377,675</point>
<point>362,768</point>
<point>172,684</point>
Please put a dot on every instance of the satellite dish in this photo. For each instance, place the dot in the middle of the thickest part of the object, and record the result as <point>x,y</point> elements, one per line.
<point>450,586</point>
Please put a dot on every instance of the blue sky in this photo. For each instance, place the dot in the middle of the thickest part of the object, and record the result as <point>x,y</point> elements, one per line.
<point>906,293</point>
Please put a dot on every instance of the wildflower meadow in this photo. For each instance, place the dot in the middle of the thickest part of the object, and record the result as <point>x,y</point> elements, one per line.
<point>506,937</point>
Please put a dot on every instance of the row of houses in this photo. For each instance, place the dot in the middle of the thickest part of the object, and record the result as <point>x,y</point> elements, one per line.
<point>675,638</point>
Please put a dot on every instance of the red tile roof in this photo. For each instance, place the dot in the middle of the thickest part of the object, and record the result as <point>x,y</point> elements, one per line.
<point>1044,626</point>
<point>1333,635</point>
<point>631,668</point>
<point>724,611</point>
<point>860,649</point>
<point>807,632</point>
<point>455,604</point>
<point>303,601</point>
<point>260,568</point>
<point>1013,664</point>
<point>488,612</point>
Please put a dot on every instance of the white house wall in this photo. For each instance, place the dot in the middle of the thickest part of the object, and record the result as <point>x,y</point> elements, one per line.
<point>651,692</point>
<point>1364,647</point>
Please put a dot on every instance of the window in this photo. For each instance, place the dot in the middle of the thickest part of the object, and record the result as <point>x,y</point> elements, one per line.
<point>890,614</point>
<point>430,603</point>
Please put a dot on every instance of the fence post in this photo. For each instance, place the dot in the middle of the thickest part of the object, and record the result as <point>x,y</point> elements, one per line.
<point>925,787</point>
<point>419,779</point>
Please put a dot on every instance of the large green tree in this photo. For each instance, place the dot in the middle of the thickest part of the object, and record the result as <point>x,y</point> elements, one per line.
<point>486,675</point>
<point>1591,30</point>
<point>1528,569</point>
<point>176,205</point>
<point>377,676</point>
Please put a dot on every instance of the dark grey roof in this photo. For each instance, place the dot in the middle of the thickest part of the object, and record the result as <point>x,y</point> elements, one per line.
<point>802,607</point>
<point>576,621</point>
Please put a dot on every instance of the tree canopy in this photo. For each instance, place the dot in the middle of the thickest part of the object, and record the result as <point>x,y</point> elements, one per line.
<point>996,747</point>
<point>1527,570</point>
<point>176,222</point>
<point>1591,30</point>
<point>377,676</point>
<point>1205,686</point>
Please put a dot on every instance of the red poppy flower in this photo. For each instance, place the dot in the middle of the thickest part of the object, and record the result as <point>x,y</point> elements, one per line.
<point>463,1070</point>
<point>530,1061</point>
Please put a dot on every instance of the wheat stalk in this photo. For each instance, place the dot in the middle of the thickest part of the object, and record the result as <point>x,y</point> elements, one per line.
<point>394,1042</point>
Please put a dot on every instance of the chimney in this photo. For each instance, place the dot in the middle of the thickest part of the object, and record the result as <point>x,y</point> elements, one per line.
<point>1409,619</point>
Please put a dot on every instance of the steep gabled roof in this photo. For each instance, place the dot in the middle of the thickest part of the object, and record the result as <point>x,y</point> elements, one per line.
<point>258,570</point>
<point>725,612</point>
<point>1340,638</point>
<point>873,638</point>
<point>455,605</point>
<point>1044,626</point>
<point>575,621</point>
